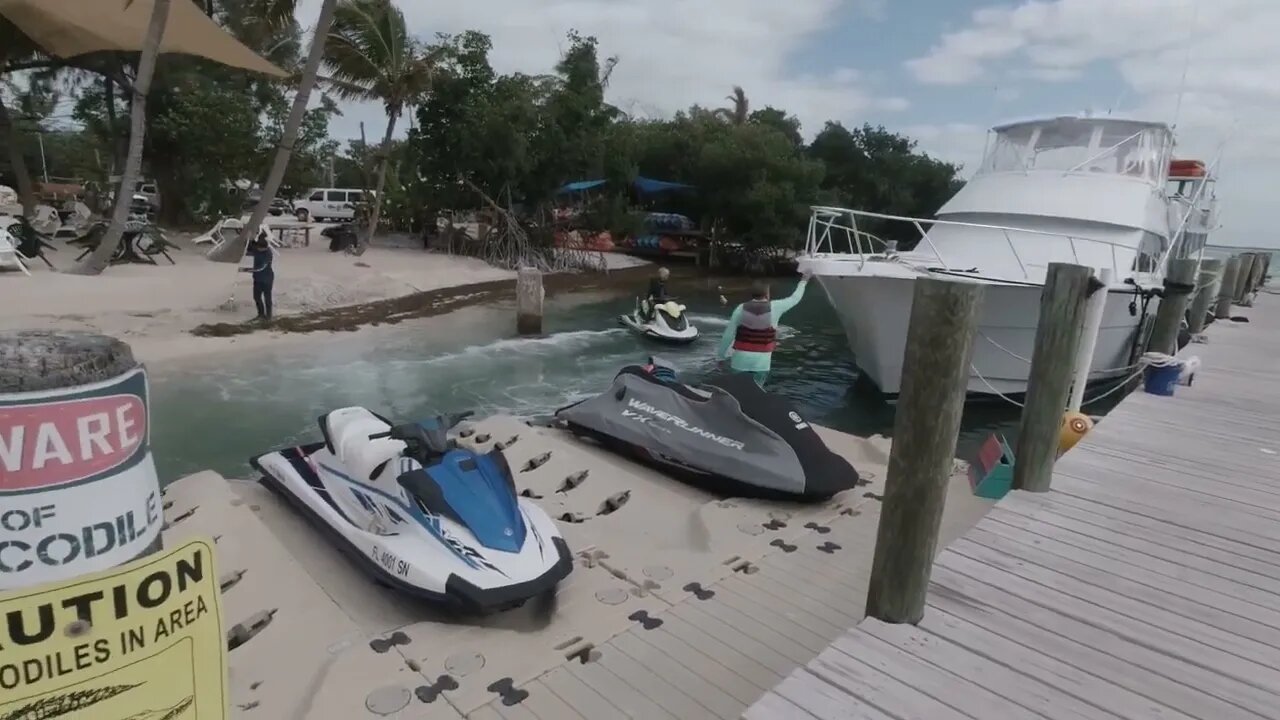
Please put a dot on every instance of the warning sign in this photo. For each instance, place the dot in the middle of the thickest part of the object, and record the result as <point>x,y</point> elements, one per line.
<point>140,642</point>
<point>78,485</point>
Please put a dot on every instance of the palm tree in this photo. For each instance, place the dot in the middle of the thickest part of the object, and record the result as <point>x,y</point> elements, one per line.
<point>741,110</point>
<point>372,56</point>
<point>16,48</point>
<point>279,12</point>
<point>101,255</point>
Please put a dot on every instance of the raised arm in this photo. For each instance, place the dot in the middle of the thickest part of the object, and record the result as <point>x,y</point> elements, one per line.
<point>729,331</point>
<point>781,306</point>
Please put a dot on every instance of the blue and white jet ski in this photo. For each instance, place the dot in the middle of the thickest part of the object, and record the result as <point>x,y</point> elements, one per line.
<point>421,514</point>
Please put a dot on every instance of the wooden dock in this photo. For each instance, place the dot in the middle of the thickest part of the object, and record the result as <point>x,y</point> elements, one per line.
<point>1145,584</point>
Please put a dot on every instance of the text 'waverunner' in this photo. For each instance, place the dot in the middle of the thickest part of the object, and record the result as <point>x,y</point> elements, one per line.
<point>725,434</point>
<point>665,321</point>
<point>421,514</point>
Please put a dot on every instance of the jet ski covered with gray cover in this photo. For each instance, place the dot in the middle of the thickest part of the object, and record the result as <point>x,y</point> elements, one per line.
<point>726,435</point>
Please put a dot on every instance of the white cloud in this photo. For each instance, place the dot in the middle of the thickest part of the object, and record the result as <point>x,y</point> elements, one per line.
<point>1227,49</point>
<point>959,143</point>
<point>672,53</point>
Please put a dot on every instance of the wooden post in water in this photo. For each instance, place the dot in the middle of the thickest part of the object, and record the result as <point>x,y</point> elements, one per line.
<point>1242,277</point>
<point>1062,308</point>
<point>1207,294</point>
<point>1227,289</point>
<point>1179,283</point>
<point>529,297</point>
<point>944,317</point>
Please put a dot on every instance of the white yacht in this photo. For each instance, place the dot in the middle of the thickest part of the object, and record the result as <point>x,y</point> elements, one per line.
<point>1084,190</point>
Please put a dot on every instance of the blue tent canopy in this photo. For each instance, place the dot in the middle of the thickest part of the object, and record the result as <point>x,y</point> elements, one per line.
<point>643,184</point>
<point>651,186</point>
<point>579,186</point>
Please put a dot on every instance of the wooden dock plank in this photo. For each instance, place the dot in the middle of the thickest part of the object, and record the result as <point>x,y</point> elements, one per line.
<point>1216,592</point>
<point>1155,550</point>
<point>870,686</point>
<point>821,698</point>
<point>1128,617</point>
<point>966,597</point>
<point>1145,584</point>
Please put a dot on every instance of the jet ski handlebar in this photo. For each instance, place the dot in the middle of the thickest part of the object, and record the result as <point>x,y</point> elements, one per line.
<point>405,431</point>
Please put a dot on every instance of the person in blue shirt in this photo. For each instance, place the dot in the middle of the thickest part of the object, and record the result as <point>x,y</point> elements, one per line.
<point>264,277</point>
<point>749,340</point>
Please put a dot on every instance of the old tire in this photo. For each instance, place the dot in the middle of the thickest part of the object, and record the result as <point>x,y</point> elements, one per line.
<point>301,214</point>
<point>33,360</point>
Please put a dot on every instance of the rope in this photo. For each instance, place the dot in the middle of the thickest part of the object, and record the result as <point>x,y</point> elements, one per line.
<point>1153,359</point>
<point>1005,349</point>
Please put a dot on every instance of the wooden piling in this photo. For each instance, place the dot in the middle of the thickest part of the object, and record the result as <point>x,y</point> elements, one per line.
<point>529,297</point>
<point>1255,278</point>
<point>1179,283</point>
<point>1062,308</point>
<point>1227,288</point>
<point>1242,277</point>
<point>1206,294</point>
<point>936,362</point>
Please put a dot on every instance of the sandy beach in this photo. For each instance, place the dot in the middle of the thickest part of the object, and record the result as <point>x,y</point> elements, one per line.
<point>155,308</point>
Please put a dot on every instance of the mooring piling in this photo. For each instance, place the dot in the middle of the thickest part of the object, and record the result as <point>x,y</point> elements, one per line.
<point>1206,294</point>
<point>1062,308</point>
<point>529,299</point>
<point>936,362</point>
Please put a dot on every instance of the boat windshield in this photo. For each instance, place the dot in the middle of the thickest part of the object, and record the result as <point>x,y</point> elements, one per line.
<point>1081,145</point>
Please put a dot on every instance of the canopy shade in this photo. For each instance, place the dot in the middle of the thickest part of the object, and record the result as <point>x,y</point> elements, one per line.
<point>68,28</point>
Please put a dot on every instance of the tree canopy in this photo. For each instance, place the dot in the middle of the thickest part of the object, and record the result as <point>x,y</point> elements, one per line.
<point>515,137</point>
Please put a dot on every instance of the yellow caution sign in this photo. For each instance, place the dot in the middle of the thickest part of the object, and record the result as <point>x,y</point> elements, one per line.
<point>143,641</point>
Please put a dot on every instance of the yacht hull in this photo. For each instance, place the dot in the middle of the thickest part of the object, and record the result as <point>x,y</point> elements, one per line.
<point>876,310</point>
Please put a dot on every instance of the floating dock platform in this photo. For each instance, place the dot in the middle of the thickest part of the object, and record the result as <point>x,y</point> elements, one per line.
<point>681,605</point>
<point>1145,584</point>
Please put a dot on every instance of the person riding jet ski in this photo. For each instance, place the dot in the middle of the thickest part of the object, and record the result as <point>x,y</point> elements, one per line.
<point>657,292</point>
<point>421,514</point>
<point>725,434</point>
<point>658,317</point>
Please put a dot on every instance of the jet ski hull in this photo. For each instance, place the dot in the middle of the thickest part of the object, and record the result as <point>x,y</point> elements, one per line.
<point>727,435</point>
<point>653,331</point>
<point>429,561</point>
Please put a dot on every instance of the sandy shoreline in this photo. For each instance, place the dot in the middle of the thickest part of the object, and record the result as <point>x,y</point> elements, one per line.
<point>156,308</point>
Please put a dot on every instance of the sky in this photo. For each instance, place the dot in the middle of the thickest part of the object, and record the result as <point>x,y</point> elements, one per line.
<point>940,71</point>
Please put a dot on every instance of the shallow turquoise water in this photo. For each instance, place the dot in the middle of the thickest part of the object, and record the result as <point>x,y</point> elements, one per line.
<point>216,414</point>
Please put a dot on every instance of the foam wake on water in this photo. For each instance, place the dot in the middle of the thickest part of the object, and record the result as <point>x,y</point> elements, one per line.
<point>541,345</point>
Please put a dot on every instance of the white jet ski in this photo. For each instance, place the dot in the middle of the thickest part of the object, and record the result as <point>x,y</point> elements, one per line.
<point>421,514</point>
<point>668,323</point>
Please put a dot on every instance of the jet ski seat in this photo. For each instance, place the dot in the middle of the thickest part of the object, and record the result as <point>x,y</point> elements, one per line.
<point>347,432</point>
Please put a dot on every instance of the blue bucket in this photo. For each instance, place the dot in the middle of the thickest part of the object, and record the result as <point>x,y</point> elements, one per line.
<point>1162,380</point>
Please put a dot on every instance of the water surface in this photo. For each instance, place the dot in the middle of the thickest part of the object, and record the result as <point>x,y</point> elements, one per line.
<point>215,414</point>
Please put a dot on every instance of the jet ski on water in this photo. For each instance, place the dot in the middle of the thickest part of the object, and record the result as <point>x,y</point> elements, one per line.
<point>421,514</point>
<point>665,321</point>
<point>725,434</point>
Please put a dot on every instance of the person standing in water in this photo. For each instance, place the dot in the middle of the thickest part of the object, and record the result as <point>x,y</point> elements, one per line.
<point>264,277</point>
<point>749,340</point>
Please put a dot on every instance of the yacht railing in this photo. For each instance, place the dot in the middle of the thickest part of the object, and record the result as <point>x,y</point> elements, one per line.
<point>826,223</point>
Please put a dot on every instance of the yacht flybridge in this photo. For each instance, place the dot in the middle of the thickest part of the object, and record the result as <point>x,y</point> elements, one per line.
<point>1084,190</point>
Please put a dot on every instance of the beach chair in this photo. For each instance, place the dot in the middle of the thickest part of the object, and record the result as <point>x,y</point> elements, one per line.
<point>9,255</point>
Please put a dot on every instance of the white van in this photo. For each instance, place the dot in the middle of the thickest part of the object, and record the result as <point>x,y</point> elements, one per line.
<point>328,204</point>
